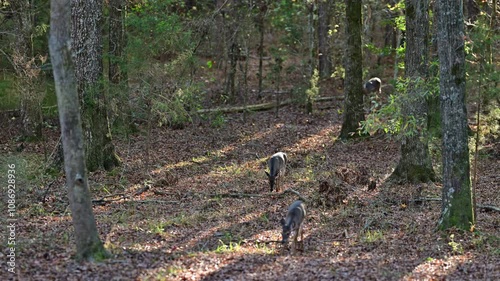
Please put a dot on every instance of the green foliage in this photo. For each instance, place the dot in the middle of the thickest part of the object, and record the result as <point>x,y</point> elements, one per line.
<point>456,247</point>
<point>389,117</point>
<point>160,48</point>
<point>372,236</point>
<point>174,110</point>
<point>10,98</point>
<point>285,16</point>
<point>218,120</point>
<point>313,90</point>
<point>227,248</point>
<point>483,76</point>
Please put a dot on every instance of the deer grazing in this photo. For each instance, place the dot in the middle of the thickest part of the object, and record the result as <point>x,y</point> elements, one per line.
<point>293,223</point>
<point>277,167</point>
<point>373,85</point>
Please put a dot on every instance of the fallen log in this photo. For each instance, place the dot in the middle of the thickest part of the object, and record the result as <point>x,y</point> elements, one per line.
<point>435,199</point>
<point>261,106</point>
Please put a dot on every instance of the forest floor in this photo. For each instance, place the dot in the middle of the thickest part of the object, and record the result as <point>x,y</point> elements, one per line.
<point>198,207</point>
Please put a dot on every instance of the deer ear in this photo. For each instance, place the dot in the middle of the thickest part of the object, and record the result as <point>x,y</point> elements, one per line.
<point>282,222</point>
<point>267,174</point>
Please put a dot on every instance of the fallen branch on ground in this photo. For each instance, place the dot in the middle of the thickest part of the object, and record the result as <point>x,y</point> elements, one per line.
<point>260,107</point>
<point>290,190</point>
<point>436,199</point>
<point>153,201</point>
<point>236,195</point>
<point>121,196</point>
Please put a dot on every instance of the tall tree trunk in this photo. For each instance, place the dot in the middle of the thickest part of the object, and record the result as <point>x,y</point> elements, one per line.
<point>312,53</point>
<point>415,164</point>
<point>88,244</point>
<point>116,41</point>
<point>457,204</point>
<point>325,66</point>
<point>353,88</point>
<point>26,70</point>
<point>117,71</point>
<point>260,23</point>
<point>87,48</point>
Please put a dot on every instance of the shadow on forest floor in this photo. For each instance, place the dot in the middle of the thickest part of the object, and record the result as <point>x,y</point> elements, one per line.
<point>186,226</point>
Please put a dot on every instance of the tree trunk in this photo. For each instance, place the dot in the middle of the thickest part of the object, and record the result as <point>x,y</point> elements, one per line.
<point>325,66</point>
<point>353,88</point>
<point>260,22</point>
<point>457,207</point>
<point>415,164</point>
<point>117,71</point>
<point>88,244</point>
<point>26,71</point>
<point>116,41</point>
<point>87,48</point>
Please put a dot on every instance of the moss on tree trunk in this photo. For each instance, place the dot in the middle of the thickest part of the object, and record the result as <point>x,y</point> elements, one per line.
<point>457,204</point>
<point>353,88</point>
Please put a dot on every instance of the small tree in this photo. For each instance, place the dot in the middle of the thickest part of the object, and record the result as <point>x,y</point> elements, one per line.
<point>88,244</point>
<point>415,164</point>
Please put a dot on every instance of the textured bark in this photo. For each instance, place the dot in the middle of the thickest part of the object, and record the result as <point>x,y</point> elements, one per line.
<point>353,85</point>
<point>87,53</point>
<point>415,164</point>
<point>325,66</point>
<point>26,71</point>
<point>457,204</point>
<point>88,244</point>
<point>261,27</point>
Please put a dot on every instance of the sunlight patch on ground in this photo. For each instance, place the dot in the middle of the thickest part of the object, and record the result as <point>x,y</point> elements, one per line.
<point>439,267</point>
<point>314,142</point>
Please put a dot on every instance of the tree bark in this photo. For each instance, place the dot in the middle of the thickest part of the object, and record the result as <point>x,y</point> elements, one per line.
<point>88,244</point>
<point>325,66</point>
<point>457,205</point>
<point>261,27</point>
<point>116,41</point>
<point>353,85</point>
<point>87,52</point>
<point>415,164</point>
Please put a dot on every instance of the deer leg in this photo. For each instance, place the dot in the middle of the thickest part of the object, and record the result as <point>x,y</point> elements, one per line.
<point>294,243</point>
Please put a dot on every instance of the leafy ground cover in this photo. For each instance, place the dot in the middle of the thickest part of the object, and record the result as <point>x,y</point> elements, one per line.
<point>198,208</point>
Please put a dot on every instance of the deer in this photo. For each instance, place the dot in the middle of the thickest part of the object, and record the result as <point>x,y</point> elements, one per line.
<point>373,85</point>
<point>277,168</point>
<point>293,223</point>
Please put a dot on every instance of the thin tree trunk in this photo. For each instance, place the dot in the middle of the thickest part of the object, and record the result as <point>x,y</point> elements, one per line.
<point>353,88</point>
<point>311,51</point>
<point>325,66</point>
<point>116,41</point>
<point>26,70</point>
<point>87,48</point>
<point>117,71</point>
<point>415,164</point>
<point>88,244</point>
<point>457,207</point>
<point>260,19</point>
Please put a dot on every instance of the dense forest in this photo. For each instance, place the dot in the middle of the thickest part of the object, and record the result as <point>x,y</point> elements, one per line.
<point>250,140</point>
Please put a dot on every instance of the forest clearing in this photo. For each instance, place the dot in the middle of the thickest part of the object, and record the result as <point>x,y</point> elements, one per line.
<point>249,140</point>
<point>193,220</point>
